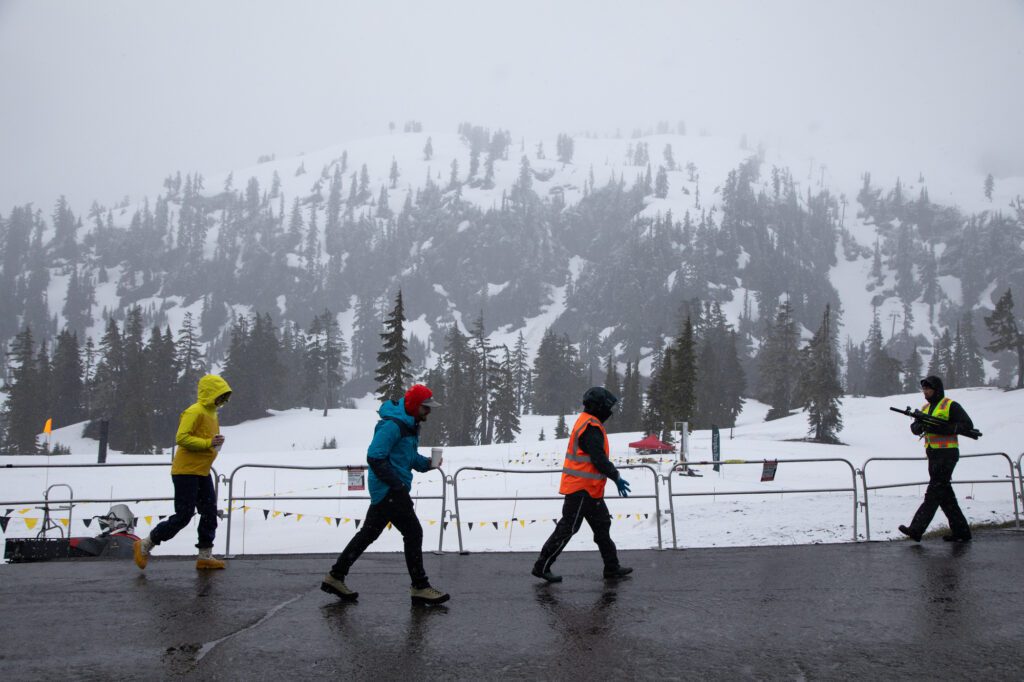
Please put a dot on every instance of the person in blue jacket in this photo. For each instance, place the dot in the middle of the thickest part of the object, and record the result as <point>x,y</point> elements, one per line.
<point>392,456</point>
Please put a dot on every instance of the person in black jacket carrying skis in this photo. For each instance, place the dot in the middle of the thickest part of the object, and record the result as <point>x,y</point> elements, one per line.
<point>943,450</point>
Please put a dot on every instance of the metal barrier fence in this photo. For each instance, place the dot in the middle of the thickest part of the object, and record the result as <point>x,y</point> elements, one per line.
<point>455,492</point>
<point>71,501</point>
<point>788,491</point>
<point>232,499</point>
<point>1020,475</point>
<point>867,488</point>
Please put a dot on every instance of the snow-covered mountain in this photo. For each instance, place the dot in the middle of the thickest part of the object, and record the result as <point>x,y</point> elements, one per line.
<point>602,238</point>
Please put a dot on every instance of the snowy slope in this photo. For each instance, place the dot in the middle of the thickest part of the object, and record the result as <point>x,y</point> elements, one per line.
<point>292,438</point>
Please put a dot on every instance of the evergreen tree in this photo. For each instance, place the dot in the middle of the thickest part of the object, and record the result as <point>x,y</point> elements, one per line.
<point>68,406</point>
<point>506,416</point>
<point>630,411</point>
<point>130,430</point>
<point>990,185</point>
<point>882,370</point>
<point>521,375</point>
<point>393,175</point>
<point>325,360</point>
<point>820,389</point>
<point>1006,335</point>
<point>392,375</point>
<point>779,362</point>
<point>21,411</point>
<point>428,150</point>
<point>460,415</point>
<point>972,368</point>
<point>561,430</point>
<point>941,363</point>
<point>912,372</point>
<point>661,183</point>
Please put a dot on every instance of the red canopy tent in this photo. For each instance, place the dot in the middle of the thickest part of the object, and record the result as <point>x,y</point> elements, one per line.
<point>652,444</point>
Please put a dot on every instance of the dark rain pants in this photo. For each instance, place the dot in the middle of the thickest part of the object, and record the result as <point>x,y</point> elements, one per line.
<point>397,510</point>
<point>940,495</point>
<point>580,506</point>
<point>191,493</point>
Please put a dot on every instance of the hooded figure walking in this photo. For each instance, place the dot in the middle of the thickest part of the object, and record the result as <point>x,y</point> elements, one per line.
<point>392,456</point>
<point>199,441</point>
<point>584,473</point>
<point>943,450</point>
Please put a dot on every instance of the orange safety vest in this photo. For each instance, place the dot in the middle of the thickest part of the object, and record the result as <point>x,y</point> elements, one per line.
<point>578,472</point>
<point>938,441</point>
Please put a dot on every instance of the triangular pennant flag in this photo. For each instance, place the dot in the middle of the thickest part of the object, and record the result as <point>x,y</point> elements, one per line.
<point>470,524</point>
<point>245,508</point>
<point>149,520</point>
<point>637,517</point>
<point>298,517</point>
<point>346,520</point>
<point>287,514</point>
<point>444,524</point>
<point>266,514</point>
<point>389,525</point>
<point>327,520</point>
<point>25,510</point>
<point>533,521</point>
<point>30,523</point>
<point>357,522</point>
<point>64,522</point>
<point>522,523</point>
<point>337,522</point>
<point>87,522</point>
<point>618,516</point>
<point>8,512</point>
<point>495,524</point>
<point>554,521</point>
<point>647,516</point>
<point>506,524</point>
<point>4,520</point>
<point>432,522</point>
<point>161,517</point>
<point>276,514</point>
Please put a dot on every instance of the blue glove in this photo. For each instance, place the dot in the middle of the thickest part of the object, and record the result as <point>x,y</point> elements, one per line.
<point>623,486</point>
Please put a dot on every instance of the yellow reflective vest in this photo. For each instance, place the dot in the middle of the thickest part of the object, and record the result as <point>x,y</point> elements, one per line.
<point>939,441</point>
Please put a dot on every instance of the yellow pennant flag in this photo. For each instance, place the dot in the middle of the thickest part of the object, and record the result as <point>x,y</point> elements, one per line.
<point>30,523</point>
<point>506,524</point>
<point>298,517</point>
<point>637,517</point>
<point>276,514</point>
<point>432,522</point>
<point>346,520</point>
<point>48,427</point>
<point>64,522</point>
<point>327,520</point>
<point>522,523</point>
<point>25,510</point>
<point>149,520</point>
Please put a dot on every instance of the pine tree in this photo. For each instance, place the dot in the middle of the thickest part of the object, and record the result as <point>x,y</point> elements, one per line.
<point>521,375</point>
<point>972,369</point>
<point>1006,335</point>
<point>912,372</point>
<point>820,389</point>
<point>632,401</point>
<point>428,150</point>
<point>779,362</point>
<point>990,185</point>
<point>506,416</point>
<point>661,183</point>
<point>882,371</point>
<point>68,389</point>
<point>21,411</point>
<point>392,375</point>
<point>941,363</point>
<point>561,430</point>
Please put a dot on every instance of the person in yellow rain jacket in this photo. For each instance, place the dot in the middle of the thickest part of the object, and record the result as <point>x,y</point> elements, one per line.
<point>198,441</point>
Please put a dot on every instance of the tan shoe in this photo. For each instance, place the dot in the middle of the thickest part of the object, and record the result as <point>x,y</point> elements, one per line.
<point>338,588</point>
<point>205,560</point>
<point>140,550</point>
<point>428,596</point>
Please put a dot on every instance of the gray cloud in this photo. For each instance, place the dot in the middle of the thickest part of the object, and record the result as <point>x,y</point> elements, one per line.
<point>103,99</point>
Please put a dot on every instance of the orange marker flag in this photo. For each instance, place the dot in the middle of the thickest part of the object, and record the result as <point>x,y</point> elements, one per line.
<point>48,427</point>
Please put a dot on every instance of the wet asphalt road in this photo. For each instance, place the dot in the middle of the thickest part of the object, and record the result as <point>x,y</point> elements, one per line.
<point>878,610</point>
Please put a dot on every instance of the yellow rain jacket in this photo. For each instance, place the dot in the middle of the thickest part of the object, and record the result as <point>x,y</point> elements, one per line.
<point>197,428</point>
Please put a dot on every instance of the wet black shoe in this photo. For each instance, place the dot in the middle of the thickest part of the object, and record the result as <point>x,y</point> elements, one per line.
<point>916,537</point>
<point>546,575</point>
<point>616,573</point>
<point>956,538</point>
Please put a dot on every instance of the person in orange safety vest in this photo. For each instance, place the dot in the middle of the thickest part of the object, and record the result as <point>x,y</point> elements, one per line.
<point>584,473</point>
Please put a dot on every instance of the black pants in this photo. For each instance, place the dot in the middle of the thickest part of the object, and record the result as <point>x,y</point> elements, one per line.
<point>397,509</point>
<point>191,493</point>
<point>577,507</point>
<point>940,495</point>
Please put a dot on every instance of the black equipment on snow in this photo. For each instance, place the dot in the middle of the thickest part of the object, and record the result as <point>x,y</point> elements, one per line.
<point>929,420</point>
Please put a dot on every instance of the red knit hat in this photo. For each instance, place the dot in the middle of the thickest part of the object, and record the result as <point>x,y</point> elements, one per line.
<point>417,395</point>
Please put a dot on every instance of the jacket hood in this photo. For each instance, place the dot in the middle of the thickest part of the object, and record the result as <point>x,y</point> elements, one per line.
<point>936,384</point>
<point>395,409</point>
<point>211,387</point>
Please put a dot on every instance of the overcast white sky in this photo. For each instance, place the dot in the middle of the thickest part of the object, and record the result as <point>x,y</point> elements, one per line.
<point>103,99</point>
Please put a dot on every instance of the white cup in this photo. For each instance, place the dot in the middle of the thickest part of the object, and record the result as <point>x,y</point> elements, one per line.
<point>435,457</point>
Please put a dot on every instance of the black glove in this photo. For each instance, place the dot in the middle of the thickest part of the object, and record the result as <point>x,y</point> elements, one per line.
<point>917,428</point>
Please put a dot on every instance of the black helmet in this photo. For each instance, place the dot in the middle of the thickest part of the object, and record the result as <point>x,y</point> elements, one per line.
<point>599,398</point>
